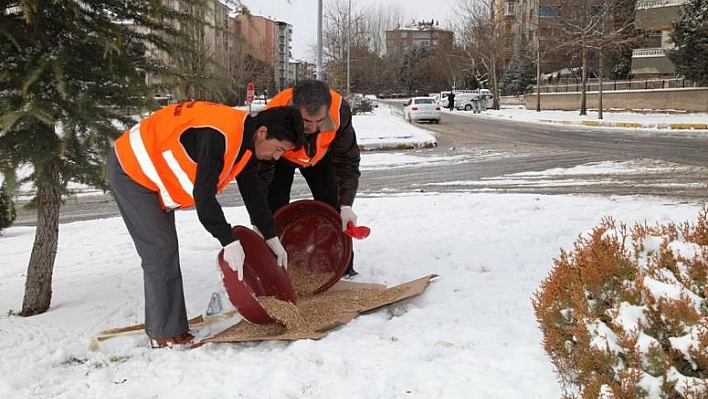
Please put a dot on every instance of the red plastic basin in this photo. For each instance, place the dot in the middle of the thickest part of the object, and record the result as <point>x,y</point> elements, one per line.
<point>311,232</point>
<point>261,277</point>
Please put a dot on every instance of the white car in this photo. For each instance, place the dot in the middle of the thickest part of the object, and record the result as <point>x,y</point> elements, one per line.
<point>470,105</point>
<point>373,100</point>
<point>421,109</point>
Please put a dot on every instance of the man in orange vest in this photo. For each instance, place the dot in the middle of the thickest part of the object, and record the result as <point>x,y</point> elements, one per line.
<point>179,157</point>
<point>329,159</point>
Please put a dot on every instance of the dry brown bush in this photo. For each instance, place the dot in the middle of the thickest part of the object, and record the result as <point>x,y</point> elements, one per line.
<point>624,313</point>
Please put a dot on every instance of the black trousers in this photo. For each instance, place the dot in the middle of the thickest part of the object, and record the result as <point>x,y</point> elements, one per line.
<point>319,177</point>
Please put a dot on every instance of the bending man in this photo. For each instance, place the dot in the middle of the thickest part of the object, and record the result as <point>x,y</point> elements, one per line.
<point>179,157</point>
<point>329,158</point>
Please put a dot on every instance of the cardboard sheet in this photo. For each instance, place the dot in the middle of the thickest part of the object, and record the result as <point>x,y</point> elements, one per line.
<point>369,297</point>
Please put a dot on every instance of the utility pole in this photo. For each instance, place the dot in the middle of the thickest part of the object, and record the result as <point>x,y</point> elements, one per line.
<point>538,71</point>
<point>349,38</point>
<point>319,39</point>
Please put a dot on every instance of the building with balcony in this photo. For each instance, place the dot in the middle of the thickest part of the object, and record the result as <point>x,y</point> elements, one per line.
<point>421,34</point>
<point>300,70</point>
<point>268,41</point>
<point>532,27</point>
<point>655,17</point>
<point>284,33</point>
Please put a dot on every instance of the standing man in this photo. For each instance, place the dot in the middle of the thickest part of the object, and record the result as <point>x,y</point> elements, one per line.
<point>181,156</point>
<point>329,159</point>
<point>451,101</point>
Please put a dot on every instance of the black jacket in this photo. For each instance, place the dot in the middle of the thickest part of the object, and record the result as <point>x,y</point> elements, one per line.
<point>206,147</point>
<point>344,152</point>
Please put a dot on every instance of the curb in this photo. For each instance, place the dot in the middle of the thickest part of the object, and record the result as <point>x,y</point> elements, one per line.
<point>397,146</point>
<point>632,125</point>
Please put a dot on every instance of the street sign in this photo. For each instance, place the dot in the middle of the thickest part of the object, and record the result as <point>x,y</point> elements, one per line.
<point>250,92</point>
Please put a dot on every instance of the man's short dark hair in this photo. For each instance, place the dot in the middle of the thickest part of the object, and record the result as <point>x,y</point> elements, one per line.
<point>283,123</point>
<point>311,94</point>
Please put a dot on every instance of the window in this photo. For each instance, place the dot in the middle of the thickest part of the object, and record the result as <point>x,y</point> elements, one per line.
<point>424,101</point>
<point>597,11</point>
<point>549,11</point>
<point>510,9</point>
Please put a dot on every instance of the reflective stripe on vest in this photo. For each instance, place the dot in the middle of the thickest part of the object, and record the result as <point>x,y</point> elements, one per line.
<point>153,156</point>
<point>324,137</point>
<point>141,154</point>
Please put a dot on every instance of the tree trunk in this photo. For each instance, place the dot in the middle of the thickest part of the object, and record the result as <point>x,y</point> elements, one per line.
<point>538,74</point>
<point>38,286</point>
<point>599,90</point>
<point>583,80</point>
<point>495,84</point>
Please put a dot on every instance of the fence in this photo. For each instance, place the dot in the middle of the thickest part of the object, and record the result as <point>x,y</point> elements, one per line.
<point>593,85</point>
<point>692,99</point>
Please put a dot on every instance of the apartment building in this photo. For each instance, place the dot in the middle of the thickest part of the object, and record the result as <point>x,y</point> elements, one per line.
<point>534,23</point>
<point>420,34</point>
<point>299,70</point>
<point>534,26</point>
<point>270,41</point>
<point>655,17</point>
<point>212,39</point>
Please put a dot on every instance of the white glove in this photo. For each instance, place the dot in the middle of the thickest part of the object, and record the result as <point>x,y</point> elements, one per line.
<point>234,256</point>
<point>347,215</point>
<point>279,251</point>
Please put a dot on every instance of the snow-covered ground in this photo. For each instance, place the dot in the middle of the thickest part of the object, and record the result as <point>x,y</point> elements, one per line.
<point>471,334</point>
<point>630,120</point>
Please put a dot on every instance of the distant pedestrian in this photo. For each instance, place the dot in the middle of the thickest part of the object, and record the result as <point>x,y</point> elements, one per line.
<point>451,101</point>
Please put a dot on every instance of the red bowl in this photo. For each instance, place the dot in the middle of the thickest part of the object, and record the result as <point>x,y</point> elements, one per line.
<point>311,232</point>
<point>261,277</point>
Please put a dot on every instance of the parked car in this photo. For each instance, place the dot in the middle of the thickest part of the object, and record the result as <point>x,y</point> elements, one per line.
<point>421,109</point>
<point>373,100</point>
<point>459,97</point>
<point>469,103</point>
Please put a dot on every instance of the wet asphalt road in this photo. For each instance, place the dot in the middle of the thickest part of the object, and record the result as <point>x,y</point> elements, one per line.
<point>479,154</point>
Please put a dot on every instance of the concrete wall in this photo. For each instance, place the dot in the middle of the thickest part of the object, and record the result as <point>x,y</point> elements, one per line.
<point>686,99</point>
<point>652,66</point>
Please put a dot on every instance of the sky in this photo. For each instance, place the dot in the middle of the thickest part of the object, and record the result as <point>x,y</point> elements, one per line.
<point>472,333</point>
<point>302,15</point>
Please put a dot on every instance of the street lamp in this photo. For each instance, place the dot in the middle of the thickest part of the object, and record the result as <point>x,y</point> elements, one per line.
<point>349,38</point>
<point>319,40</point>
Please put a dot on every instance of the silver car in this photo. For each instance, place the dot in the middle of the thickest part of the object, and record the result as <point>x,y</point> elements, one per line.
<point>421,109</point>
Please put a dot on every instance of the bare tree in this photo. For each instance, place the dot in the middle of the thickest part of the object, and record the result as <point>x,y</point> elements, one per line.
<point>483,39</point>
<point>334,42</point>
<point>589,26</point>
<point>614,33</point>
<point>356,40</point>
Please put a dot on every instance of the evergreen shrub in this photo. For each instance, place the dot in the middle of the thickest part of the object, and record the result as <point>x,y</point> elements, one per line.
<point>624,313</point>
<point>7,210</point>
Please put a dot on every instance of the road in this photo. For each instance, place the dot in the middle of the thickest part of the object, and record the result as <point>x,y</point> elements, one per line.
<point>665,164</point>
<point>483,154</point>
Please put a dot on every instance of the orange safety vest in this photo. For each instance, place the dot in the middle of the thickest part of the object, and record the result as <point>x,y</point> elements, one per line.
<point>328,128</point>
<point>152,155</point>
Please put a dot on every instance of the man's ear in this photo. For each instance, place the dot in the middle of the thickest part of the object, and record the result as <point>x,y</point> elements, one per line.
<point>262,132</point>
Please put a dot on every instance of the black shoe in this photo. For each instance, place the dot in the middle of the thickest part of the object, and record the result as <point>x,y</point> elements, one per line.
<point>349,274</point>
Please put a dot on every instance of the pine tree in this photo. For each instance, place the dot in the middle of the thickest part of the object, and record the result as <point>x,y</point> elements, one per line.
<point>7,209</point>
<point>519,76</point>
<point>690,33</point>
<point>67,71</point>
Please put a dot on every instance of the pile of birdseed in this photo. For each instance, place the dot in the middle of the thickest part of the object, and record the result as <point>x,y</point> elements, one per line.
<point>313,313</point>
<point>306,282</point>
